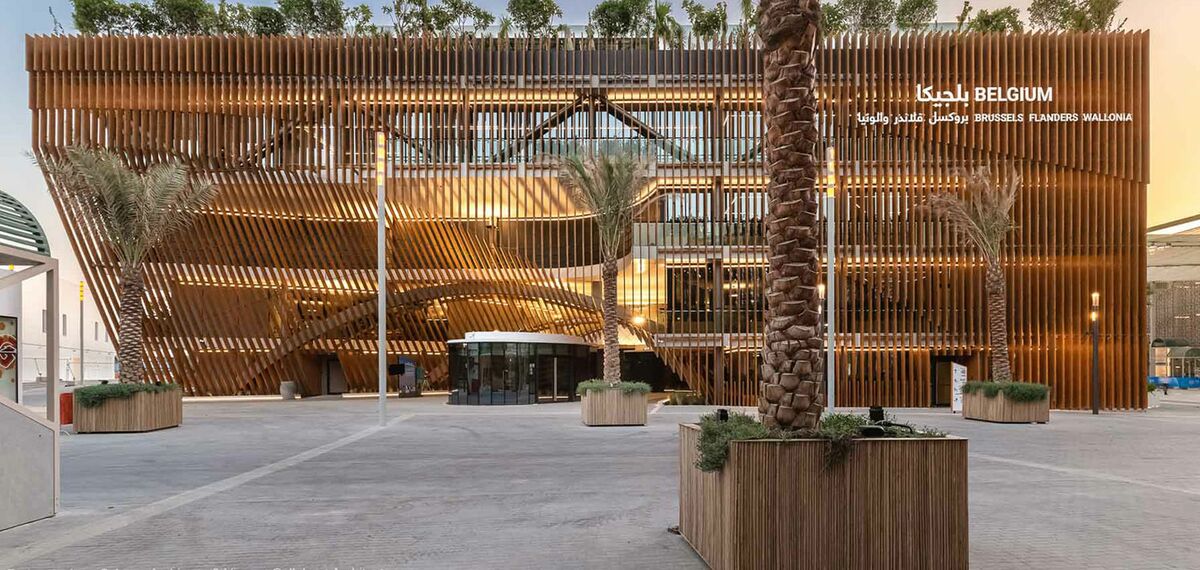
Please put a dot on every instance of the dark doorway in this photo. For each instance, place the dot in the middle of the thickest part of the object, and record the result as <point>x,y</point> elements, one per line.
<point>942,379</point>
<point>334,379</point>
<point>645,366</point>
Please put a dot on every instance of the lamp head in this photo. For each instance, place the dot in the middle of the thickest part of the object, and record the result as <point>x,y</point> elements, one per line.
<point>1095,299</point>
<point>830,170</point>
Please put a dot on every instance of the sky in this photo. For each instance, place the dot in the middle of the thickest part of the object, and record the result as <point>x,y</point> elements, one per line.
<point>1174,85</point>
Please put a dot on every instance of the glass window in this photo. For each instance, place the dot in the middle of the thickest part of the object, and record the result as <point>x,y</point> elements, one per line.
<point>517,373</point>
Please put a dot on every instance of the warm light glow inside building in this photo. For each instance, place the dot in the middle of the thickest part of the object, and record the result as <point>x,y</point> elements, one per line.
<point>276,281</point>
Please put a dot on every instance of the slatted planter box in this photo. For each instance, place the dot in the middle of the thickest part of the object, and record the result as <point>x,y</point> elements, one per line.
<point>1001,409</point>
<point>613,408</point>
<point>143,411</point>
<point>893,503</point>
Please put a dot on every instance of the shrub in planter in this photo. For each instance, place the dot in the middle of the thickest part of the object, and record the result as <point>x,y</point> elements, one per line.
<point>617,404</point>
<point>1006,402</point>
<point>751,497</point>
<point>686,398</point>
<point>95,396</point>
<point>127,407</point>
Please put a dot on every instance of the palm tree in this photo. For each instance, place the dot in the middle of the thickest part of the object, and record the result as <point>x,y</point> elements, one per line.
<point>666,27</point>
<point>984,217</point>
<point>747,26</point>
<point>608,184</point>
<point>135,211</point>
<point>792,391</point>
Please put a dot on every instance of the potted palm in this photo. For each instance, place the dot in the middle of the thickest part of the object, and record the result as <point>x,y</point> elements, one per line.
<point>135,211</point>
<point>608,184</point>
<point>793,489</point>
<point>983,217</point>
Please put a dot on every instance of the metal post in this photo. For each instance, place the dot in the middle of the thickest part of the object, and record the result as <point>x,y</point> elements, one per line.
<point>1095,353</point>
<point>381,252</point>
<point>830,265</point>
<point>52,343</point>
<point>80,375</point>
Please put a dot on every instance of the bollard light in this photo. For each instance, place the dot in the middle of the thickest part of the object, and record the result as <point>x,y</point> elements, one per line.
<point>1095,316</point>
<point>876,414</point>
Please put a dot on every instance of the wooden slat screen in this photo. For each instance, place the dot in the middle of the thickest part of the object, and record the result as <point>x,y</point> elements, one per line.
<point>280,269</point>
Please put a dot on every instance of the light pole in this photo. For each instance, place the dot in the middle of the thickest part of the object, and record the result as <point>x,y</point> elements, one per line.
<point>79,376</point>
<point>381,266</point>
<point>831,183</point>
<point>1095,353</point>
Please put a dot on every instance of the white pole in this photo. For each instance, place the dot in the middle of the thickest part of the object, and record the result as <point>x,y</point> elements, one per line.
<point>80,375</point>
<point>381,252</point>
<point>52,342</point>
<point>830,264</point>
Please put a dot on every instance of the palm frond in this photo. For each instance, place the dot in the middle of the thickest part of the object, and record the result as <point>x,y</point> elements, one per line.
<point>982,213</point>
<point>135,211</point>
<point>607,183</point>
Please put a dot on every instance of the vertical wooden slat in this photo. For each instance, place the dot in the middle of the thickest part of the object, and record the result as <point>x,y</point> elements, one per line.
<point>278,273</point>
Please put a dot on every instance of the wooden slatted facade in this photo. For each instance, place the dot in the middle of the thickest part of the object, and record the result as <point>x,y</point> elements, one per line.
<point>277,277</point>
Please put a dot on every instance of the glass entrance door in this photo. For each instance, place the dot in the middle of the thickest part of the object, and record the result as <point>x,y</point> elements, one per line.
<point>549,370</point>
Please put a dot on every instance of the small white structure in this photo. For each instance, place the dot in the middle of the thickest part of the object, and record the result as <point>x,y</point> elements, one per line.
<point>29,459</point>
<point>28,466</point>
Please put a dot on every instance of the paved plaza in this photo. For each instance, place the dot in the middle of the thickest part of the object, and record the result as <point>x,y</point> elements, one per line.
<point>316,484</point>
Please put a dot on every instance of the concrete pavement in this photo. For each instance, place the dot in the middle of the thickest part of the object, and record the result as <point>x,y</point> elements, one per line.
<point>315,484</point>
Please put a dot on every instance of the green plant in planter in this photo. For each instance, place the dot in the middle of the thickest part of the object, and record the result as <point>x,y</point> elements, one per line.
<point>1151,387</point>
<point>839,430</point>
<point>1015,391</point>
<point>600,385</point>
<point>715,436</point>
<point>686,399</point>
<point>94,396</point>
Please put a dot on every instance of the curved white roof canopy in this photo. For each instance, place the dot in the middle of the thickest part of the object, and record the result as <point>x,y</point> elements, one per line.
<point>20,229</point>
<point>521,337</point>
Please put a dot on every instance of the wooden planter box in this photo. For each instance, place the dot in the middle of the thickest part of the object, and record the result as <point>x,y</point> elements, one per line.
<point>613,408</point>
<point>893,503</point>
<point>1000,409</point>
<point>144,411</point>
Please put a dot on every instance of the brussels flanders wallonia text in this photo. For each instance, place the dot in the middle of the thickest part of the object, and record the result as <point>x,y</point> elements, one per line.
<point>963,97</point>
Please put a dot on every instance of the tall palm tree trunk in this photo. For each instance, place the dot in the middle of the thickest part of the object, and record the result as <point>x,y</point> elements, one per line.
<point>997,321</point>
<point>792,391</point>
<point>612,350</point>
<point>129,333</point>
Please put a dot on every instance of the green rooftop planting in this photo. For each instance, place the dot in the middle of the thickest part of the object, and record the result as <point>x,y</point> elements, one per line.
<point>544,18</point>
<point>1015,391</point>
<point>94,396</point>
<point>600,386</point>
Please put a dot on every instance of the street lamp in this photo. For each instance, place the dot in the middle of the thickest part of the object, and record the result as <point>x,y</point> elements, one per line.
<point>1095,353</point>
<point>831,183</point>
<point>381,252</point>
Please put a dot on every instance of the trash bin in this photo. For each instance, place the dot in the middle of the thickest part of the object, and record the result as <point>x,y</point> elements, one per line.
<point>287,389</point>
<point>66,408</point>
